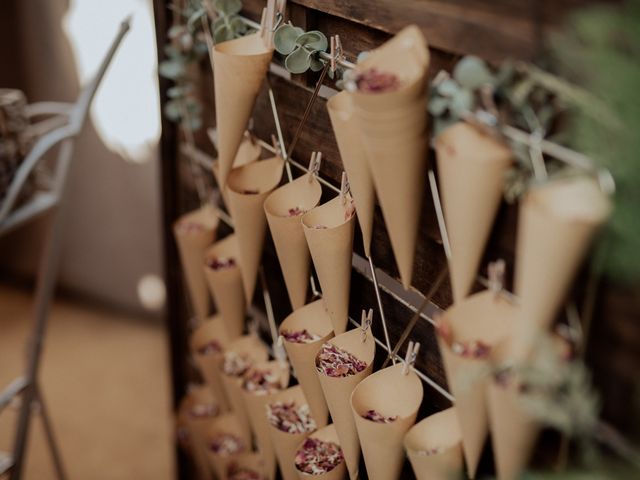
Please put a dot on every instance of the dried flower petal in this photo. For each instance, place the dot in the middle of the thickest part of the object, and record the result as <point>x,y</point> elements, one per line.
<point>250,192</point>
<point>300,336</point>
<point>202,410</point>
<point>378,417</point>
<point>320,227</point>
<point>374,81</point>
<point>261,382</point>
<point>189,226</point>
<point>236,472</point>
<point>335,362</point>
<point>295,211</point>
<point>349,211</point>
<point>289,418</point>
<point>209,348</point>
<point>235,364</point>
<point>430,451</point>
<point>317,456</point>
<point>226,444</point>
<point>221,263</point>
<point>475,349</point>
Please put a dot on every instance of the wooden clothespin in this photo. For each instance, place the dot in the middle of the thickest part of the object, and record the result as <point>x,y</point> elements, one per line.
<point>336,52</point>
<point>276,145</point>
<point>344,188</point>
<point>496,271</point>
<point>365,323</point>
<point>314,164</point>
<point>263,23</point>
<point>279,351</point>
<point>410,357</point>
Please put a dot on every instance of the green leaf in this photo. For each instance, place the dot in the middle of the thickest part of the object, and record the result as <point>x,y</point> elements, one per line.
<point>314,40</point>
<point>438,106</point>
<point>461,102</point>
<point>227,7</point>
<point>316,64</point>
<point>298,61</point>
<point>222,34</point>
<point>172,110</point>
<point>195,17</point>
<point>285,37</point>
<point>171,69</point>
<point>175,31</point>
<point>472,72</point>
<point>448,87</point>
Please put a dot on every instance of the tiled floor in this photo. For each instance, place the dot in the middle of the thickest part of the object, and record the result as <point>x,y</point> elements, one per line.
<point>105,377</point>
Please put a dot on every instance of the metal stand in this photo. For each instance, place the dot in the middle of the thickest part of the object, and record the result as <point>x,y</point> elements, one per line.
<point>27,386</point>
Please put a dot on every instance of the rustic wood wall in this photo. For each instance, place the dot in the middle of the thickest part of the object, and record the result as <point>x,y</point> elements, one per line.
<point>492,30</point>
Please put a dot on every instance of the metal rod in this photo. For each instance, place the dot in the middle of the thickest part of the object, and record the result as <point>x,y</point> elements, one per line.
<point>269,308</point>
<point>379,299</point>
<point>51,439</point>
<point>440,216</point>
<point>276,118</point>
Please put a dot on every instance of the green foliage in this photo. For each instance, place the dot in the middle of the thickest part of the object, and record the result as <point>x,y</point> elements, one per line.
<point>301,48</point>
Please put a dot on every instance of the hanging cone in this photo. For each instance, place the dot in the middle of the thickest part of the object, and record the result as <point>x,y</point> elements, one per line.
<point>339,472</point>
<point>248,152</point>
<point>471,169</point>
<point>354,160</point>
<point>194,232</point>
<point>251,463</point>
<point>207,345</point>
<point>286,444</point>
<point>389,393</point>
<point>201,409</point>
<point>187,440</point>
<point>239,67</point>
<point>434,447</point>
<point>482,320</point>
<point>329,232</point>
<point>314,318</point>
<point>303,193</point>
<point>255,351</point>
<point>556,224</point>
<point>247,188</point>
<point>337,392</point>
<point>225,284</point>
<point>256,404</point>
<point>226,424</point>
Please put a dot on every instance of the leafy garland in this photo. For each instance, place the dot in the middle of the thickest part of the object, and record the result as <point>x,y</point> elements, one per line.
<point>300,48</point>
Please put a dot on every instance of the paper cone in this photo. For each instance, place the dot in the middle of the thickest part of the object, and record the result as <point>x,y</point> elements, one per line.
<point>471,169</point>
<point>354,160</point>
<point>247,210</point>
<point>191,247</point>
<point>226,285</point>
<point>337,392</point>
<point>326,434</point>
<point>388,392</point>
<point>288,236</point>
<point>557,222</point>
<point>256,351</point>
<point>227,423</point>
<point>434,447</point>
<point>197,426</point>
<point>484,317</point>
<point>256,408</point>
<point>286,444</point>
<point>248,152</point>
<point>194,450</point>
<point>239,67</point>
<point>331,250</point>
<point>209,364</point>
<point>314,318</point>
<point>250,461</point>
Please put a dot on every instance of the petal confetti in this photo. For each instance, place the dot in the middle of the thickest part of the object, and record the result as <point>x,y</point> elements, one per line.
<point>261,382</point>
<point>300,336</point>
<point>289,418</point>
<point>202,410</point>
<point>317,456</point>
<point>209,348</point>
<point>335,362</point>
<point>375,81</point>
<point>221,263</point>
<point>226,444</point>
<point>189,226</point>
<point>378,417</point>
<point>235,364</point>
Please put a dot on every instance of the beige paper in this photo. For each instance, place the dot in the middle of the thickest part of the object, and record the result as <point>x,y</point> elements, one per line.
<point>256,351</point>
<point>434,447</point>
<point>337,392</point>
<point>293,253</point>
<point>227,423</point>
<point>226,285</point>
<point>248,152</point>
<point>484,317</point>
<point>239,67</point>
<point>251,461</point>
<point>209,364</point>
<point>556,224</point>
<point>197,426</point>
<point>194,449</point>
<point>256,408</point>
<point>286,444</point>
<point>354,160</point>
<point>314,318</point>
<point>192,246</point>
<point>388,392</point>
<point>247,210</point>
<point>471,170</point>
<point>326,434</point>
<point>331,250</point>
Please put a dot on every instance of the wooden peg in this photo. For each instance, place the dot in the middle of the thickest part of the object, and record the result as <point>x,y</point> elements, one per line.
<point>496,271</point>
<point>344,188</point>
<point>366,319</point>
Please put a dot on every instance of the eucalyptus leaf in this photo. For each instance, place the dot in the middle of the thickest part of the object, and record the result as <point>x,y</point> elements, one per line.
<point>461,102</point>
<point>227,7</point>
<point>313,40</point>
<point>285,37</point>
<point>222,34</point>
<point>298,61</point>
<point>361,56</point>
<point>438,106</point>
<point>172,110</point>
<point>195,17</point>
<point>175,31</point>
<point>195,123</point>
<point>171,69</point>
<point>472,72</point>
<point>316,64</point>
<point>448,87</point>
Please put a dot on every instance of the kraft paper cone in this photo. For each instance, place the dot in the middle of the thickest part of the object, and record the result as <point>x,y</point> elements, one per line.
<point>209,364</point>
<point>239,67</point>
<point>471,169</point>
<point>288,236</point>
<point>247,210</point>
<point>194,450</point>
<point>226,285</point>
<point>248,152</point>
<point>314,318</point>
<point>434,447</point>
<point>191,247</point>
<point>256,351</point>
<point>286,444</point>
<point>409,121</point>
<point>484,317</point>
<point>557,222</point>
<point>354,160</point>
<point>227,423</point>
<point>337,392</point>
<point>197,426</point>
<point>326,434</point>
<point>388,392</point>
<point>331,250</point>
<point>250,461</point>
<point>256,408</point>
